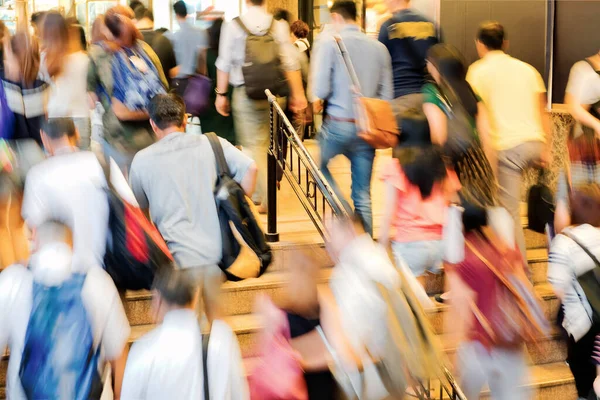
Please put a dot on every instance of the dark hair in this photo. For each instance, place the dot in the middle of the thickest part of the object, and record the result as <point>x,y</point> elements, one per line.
<point>175,286</point>
<point>167,110</point>
<point>55,39</point>
<point>214,34</point>
<point>585,205</point>
<point>133,4</point>
<point>346,8</point>
<point>57,128</point>
<point>281,14</point>
<point>180,9</point>
<point>148,14</point>
<point>492,35</point>
<point>423,167</point>
<point>82,37</point>
<point>299,29</point>
<point>37,17</point>
<point>257,2</point>
<point>121,27</point>
<point>139,12</point>
<point>453,71</point>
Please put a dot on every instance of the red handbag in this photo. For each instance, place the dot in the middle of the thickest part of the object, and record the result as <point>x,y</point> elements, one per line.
<point>279,375</point>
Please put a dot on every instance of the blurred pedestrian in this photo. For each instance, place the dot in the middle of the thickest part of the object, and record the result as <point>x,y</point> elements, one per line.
<point>211,120</point>
<point>458,122</point>
<point>408,36</point>
<point>65,66</point>
<point>520,128</point>
<point>70,186</point>
<point>330,81</point>
<point>126,73</point>
<point>62,326</point>
<point>159,43</point>
<point>175,359</point>
<point>299,30</point>
<point>573,253</point>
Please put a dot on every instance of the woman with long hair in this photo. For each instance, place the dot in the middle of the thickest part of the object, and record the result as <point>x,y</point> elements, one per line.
<point>211,120</point>
<point>126,73</point>
<point>458,122</point>
<point>64,67</point>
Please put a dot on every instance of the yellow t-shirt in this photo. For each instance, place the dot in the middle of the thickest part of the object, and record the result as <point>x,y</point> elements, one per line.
<point>511,90</point>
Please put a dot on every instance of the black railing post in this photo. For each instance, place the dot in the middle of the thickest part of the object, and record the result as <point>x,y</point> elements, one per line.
<point>272,234</point>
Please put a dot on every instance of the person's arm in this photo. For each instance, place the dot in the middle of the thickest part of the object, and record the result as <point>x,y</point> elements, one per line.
<point>137,185</point>
<point>581,113</point>
<point>483,129</point>
<point>460,307</point>
<point>125,114</point>
<point>118,371</point>
<point>386,86</point>
<point>562,214</point>
<point>243,169</point>
<point>290,61</point>
<point>389,208</point>
<point>576,96</point>
<point>321,68</point>
<point>224,64</point>
<point>438,123</point>
<point>546,119</point>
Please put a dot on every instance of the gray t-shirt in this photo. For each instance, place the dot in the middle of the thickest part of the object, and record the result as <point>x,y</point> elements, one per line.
<point>175,178</point>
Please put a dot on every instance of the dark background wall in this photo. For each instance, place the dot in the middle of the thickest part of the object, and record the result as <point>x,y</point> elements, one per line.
<point>524,21</point>
<point>576,36</point>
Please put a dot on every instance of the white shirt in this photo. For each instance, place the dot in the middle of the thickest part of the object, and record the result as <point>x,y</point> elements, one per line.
<point>167,362</point>
<point>68,91</point>
<point>232,48</point>
<point>108,321</point>
<point>584,83</point>
<point>69,187</point>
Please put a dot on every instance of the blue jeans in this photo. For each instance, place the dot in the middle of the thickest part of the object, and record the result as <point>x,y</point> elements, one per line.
<point>340,138</point>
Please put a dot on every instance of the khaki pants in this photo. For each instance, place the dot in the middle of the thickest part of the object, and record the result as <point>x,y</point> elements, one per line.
<point>511,165</point>
<point>209,279</point>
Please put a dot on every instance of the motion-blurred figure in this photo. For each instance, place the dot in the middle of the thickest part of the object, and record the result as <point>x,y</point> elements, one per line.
<point>62,326</point>
<point>170,361</point>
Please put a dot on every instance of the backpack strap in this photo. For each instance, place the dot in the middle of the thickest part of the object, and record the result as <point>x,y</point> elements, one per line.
<point>241,24</point>
<point>587,251</point>
<point>205,342</point>
<point>222,167</point>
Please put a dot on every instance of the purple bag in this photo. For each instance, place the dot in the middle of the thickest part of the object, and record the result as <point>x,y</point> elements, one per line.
<point>197,94</point>
<point>7,118</point>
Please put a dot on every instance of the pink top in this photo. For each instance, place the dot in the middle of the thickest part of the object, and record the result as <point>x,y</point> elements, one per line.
<point>416,219</point>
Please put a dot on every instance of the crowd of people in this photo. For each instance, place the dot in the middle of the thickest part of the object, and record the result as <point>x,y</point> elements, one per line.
<point>81,117</point>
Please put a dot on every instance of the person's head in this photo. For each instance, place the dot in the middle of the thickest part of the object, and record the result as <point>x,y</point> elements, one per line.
<point>343,12</point>
<point>135,4</point>
<point>36,21</point>
<point>282,15</point>
<point>139,12</point>
<point>448,68</point>
<point>98,30</point>
<point>55,41</point>
<point>490,37</point>
<point>255,2</point>
<point>24,56</point>
<point>172,289</point>
<point>214,34</point>
<point>396,5</point>
<point>299,29</point>
<point>585,205</point>
<point>180,9</point>
<point>167,114</point>
<point>58,133</point>
<point>121,27</point>
<point>423,167</point>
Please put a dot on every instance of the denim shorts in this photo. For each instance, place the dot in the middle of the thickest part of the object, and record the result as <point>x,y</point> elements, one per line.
<point>420,256</point>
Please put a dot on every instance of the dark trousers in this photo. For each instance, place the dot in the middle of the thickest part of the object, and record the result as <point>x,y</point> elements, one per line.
<point>579,357</point>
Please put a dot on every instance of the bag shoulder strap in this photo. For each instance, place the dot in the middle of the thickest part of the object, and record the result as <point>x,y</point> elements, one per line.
<point>222,167</point>
<point>587,251</point>
<point>238,20</point>
<point>205,342</point>
<point>587,60</point>
<point>349,65</point>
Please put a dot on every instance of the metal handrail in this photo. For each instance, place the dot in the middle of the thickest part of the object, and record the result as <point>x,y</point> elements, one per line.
<point>281,154</point>
<point>287,152</point>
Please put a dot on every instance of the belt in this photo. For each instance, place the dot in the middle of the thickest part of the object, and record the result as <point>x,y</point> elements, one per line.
<point>338,119</point>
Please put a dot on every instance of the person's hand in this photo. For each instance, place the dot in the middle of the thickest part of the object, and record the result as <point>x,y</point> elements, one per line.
<point>222,105</point>
<point>317,106</point>
<point>298,103</point>
<point>546,157</point>
<point>597,386</point>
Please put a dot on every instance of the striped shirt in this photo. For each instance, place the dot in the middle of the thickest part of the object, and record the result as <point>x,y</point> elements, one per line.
<point>28,106</point>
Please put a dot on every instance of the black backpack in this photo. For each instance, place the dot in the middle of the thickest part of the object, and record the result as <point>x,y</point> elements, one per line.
<point>262,68</point>
<point>235,213</point>
<point>540,206</point>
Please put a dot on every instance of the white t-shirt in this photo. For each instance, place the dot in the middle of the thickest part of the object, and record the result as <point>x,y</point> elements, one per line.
<point>167,362</point>
<point>584,83</point>
<point>107,316</point>
<point>68,91</point>
<point>69,187</point>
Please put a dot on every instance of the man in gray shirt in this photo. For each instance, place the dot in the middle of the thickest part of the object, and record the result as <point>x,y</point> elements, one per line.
<point>188,42</point>
<point>175,179</point>
<point>330,81</point>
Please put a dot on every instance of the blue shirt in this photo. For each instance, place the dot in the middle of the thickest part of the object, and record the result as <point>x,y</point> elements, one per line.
<point>329,79</point>
<point>408,36</point>
<point>188,41</point>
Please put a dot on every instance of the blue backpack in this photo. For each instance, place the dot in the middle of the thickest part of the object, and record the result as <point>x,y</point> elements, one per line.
<point>59,359</point>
